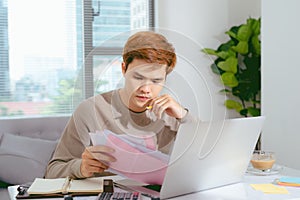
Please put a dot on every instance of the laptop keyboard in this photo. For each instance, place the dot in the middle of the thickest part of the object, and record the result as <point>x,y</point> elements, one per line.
<point>119,196</point>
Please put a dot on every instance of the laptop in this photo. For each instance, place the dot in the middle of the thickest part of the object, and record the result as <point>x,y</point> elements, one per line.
<point>207,155</point>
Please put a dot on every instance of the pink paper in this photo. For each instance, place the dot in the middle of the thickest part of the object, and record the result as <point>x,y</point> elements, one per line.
<point>135,164</point>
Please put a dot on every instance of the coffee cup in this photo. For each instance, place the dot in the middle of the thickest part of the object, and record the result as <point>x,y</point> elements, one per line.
<point>263,160</point>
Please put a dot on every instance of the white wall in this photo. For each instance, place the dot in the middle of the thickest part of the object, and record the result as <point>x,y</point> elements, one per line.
<point>281,79</point>
<point>193,25</point>
<point>204,22</point>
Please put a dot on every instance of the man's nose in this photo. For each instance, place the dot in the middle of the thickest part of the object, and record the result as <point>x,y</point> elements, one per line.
<point>146,88</point>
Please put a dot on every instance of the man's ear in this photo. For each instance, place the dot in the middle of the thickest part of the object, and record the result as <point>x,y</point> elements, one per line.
<point>123,68</point>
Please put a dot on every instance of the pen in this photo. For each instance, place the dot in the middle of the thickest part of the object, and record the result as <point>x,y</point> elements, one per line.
<point>148,107</point>
<point>66,185</point>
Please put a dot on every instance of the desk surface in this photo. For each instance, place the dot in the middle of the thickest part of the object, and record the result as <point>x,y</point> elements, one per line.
<point>239,191</point>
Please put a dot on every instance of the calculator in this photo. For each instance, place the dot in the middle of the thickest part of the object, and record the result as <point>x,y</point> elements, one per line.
<point>119,196</point>
<point>110,194</point>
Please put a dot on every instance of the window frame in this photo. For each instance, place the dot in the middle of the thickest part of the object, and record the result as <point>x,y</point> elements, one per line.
<point>88,17</point>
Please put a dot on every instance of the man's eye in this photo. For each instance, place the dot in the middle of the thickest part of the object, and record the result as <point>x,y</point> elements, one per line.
<point>156,81</point>
<point>138,78</point>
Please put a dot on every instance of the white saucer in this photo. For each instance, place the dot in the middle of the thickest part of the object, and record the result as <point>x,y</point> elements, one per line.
<point>275,170</point>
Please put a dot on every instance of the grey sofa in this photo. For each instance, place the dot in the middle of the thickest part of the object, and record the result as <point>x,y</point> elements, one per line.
<point>26,145</point>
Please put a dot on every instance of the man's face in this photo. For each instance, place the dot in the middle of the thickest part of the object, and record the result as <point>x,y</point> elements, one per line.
<point>143,82</point>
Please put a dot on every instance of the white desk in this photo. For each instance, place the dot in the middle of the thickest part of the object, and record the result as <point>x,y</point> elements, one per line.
<point>239,191</point>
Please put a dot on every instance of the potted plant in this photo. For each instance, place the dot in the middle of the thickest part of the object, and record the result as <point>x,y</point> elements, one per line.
<point>238,64</point>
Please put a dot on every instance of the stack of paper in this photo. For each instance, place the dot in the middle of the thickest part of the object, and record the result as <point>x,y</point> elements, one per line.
<point>134,161</point>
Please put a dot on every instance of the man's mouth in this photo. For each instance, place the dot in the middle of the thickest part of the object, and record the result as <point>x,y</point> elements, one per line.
<point>143,98</point>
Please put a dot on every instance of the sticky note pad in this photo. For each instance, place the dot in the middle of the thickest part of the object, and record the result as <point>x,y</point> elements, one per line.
<point>295,180</point>
<point>269,188</point>
<point>289,181</point>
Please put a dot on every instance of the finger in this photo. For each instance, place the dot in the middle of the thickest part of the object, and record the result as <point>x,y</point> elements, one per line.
<point>90,166</point>
<point>88,154</point>
<point>161,98</point>
<point>104,157</point>
<point>94,168</point>
<point>100,148</point>
<point>162,106</point>
<point>97,163</point>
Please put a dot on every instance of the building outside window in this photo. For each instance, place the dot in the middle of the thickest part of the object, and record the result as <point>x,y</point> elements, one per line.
<point>56,53</point>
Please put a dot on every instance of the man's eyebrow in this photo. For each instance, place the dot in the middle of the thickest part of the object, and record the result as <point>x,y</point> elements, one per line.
<point>138,74</point>
<point>156,79</point>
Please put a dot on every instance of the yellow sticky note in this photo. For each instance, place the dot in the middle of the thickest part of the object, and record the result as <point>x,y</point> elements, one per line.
<point>270,188</point>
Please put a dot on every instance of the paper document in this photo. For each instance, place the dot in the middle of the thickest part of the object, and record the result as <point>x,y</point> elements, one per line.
<point>134,160</point>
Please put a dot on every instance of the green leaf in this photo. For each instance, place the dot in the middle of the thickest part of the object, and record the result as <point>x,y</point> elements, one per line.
<point>231,104</point>
<point>256,101</point>
<point>256,26</point>
<point>215,69</point>
<point>209,51</point>
<point>226,46</point>
<point>244,33</point>
<point>241,48</point>
<point>229,65</point>
<point>231,34</point>
<point>229,79</point>
<point>223,54</point>
<point>256,44</point>
<point>226,54</point>
<point>231,53</point>
<point>244,112</point>
<point>225,91</point>
<point>254,111</point>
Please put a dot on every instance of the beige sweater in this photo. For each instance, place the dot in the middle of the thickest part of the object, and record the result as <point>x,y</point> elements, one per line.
<point>106,111</point>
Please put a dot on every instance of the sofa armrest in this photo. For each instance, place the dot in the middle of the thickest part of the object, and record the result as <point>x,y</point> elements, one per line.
<point>4,194</point>
<point>26,145</point>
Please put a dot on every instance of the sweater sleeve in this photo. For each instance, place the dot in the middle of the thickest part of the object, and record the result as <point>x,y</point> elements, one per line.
<point>66,159</point>
<point>187,118</point>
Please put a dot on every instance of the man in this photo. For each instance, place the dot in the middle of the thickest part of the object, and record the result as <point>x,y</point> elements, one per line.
<point>137,110</point>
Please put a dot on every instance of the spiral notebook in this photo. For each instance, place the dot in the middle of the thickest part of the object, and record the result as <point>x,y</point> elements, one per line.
<point>61,186</point>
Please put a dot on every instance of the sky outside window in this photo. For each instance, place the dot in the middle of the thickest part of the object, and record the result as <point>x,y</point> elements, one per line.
<point>39,29</point>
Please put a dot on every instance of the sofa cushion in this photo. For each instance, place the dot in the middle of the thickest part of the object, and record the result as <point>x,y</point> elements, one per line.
<point>22,159</point>
<point>4,194</point>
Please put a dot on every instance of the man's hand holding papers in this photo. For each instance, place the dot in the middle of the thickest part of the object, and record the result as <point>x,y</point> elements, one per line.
<point>133,160</point>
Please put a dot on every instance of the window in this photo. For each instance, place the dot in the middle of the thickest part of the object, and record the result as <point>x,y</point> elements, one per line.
<point>55,53</point>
